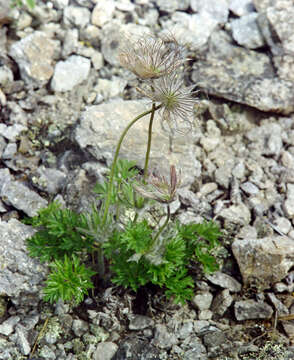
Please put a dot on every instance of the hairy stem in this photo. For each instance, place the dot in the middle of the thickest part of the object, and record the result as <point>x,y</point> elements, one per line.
<point>108,198</point>
<point>163,226</point>
<point>149,142</point>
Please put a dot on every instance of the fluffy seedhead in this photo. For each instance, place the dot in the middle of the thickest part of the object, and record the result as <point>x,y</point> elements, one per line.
<point>177,102</point>
<point>150,57</point>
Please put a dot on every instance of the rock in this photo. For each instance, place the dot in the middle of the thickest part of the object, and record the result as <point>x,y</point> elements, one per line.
<point>105,351</point>
<point>70,42</point>
<point>249,188</point>
<point>197,351</point>
<point>283,225</point>
<point>11,132</point>
<point>34,56</point>
<point>19,272</point>
<point>191,30</point>
<point>22,340</point>
<point>163,338</point>
<point>264,261</point>
<point>185,330</point>
<point>202,301</point>
<point>49,180</point>
<point>250,309</point>
<point>224,280</point>
<point>18,195</point>
<point>136,348</point>
<point>7,326</point>
<point>246,33</point>
<point>69,73</point>
<point>279,306</point>
<point>103,12</point>
<point>9,151</point>
<point>217,9</point>
<point>241,7</point>
<point>110,88</point>
<point>236,214</point>
<point>101,126</point>
<point>140,322</point>
<point>76,15</point>
<point>6,75</point>
<point>222,302</point>
<point>248,77</point>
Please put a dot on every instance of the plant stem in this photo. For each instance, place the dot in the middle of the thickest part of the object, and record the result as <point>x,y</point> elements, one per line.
<point>108,198</point>
<point>149,142</point>
<point>163,226</point>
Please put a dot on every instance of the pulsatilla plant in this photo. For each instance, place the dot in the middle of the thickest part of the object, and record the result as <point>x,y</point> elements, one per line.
<point>137,251</point>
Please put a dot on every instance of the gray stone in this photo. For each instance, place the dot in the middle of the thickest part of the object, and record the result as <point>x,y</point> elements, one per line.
<point>236,214</point>
<point>79,327</point>
<point>163,338</point>
<point>197,351</point>
<point>11,132</point>
<point>110,88</point>
<point>103,12</point>
<point>279,306</point>
<point>171,5</point>
<point>75,15</point>
<point>105,351</point>
<point>217,9</point>
<point>222,302</point>
<point>283,225</point>
<point>10,151</point>
<point>70,42</point>
<point>249,188</point>
<point>101,126</point>
<point>60,4</point>
<point>7,327</point>
<point>192,30</point>
<point>246,33</point>
<point>140,322</point>
<point>22,340</point>
<point>49,180</point>
<point>6,75</point>
<point>19,272</point>
<point>202,300</point>
<point>241,7</point>
<point>69,73</point>
<point>265,261</point>
<point>185,330</point>
<point>34,56</point>
<point>242,76</point>
<point>224,280</point>
<point>16,194</point>
<point>250,309</point>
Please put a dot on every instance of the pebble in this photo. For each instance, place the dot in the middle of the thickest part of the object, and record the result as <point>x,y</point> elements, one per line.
<point>241,7</point>
<point>202,300</point>
<point>225,281</point>
<point>105,351</point>
<point>79,16</point>
<point>102,12</point>
<point>250,309</point>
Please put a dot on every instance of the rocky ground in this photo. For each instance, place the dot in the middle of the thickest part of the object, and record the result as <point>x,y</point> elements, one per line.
<point>64,99</point>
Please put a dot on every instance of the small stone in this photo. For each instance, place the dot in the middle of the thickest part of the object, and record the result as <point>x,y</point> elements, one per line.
<point>75,15</point>
<point>222,302</point>
<point>34,56</point>
<point>241,7</point>
<point>102,12</point>
<point>245,31</point>
<point>11,132</point>
<point>185,330</point>
<point>22,198</point>
<point>105,351</point>
<point>217,9</point>
<point>49,180</point>
<point>225,281</point>
<point>202,300</point>
<point>287,159</point>
<point>140,322</point>
<point>236,214</point>
<point>283,225</point>
<point>7,327</point>
<point>249,188</point>
<point>9,151</point>
<point>201,325</point>
<point>79,327</point>
<point>250,309</point>
<point>162,338</point>
<point>22,340</point>
<point>205,315</point>
<point>279,306</point>
<point>69,73</point>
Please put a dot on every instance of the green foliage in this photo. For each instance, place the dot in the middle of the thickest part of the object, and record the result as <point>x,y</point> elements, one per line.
<point>57,234</point>
<point>122,191</point>
<point>30,3</point>
<point>69,281</point>
<point>202,240</point>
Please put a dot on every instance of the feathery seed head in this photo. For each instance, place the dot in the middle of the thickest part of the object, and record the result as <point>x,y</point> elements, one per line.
<point>177,101</point>
<point>149,57</point>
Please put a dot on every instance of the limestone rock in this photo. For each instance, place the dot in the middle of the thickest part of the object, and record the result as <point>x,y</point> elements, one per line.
<point>264,261</point>
<point>34,56</point>
<point>250,309</point>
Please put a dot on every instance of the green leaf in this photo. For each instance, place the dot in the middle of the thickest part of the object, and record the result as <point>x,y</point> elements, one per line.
<point>69,281</point>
